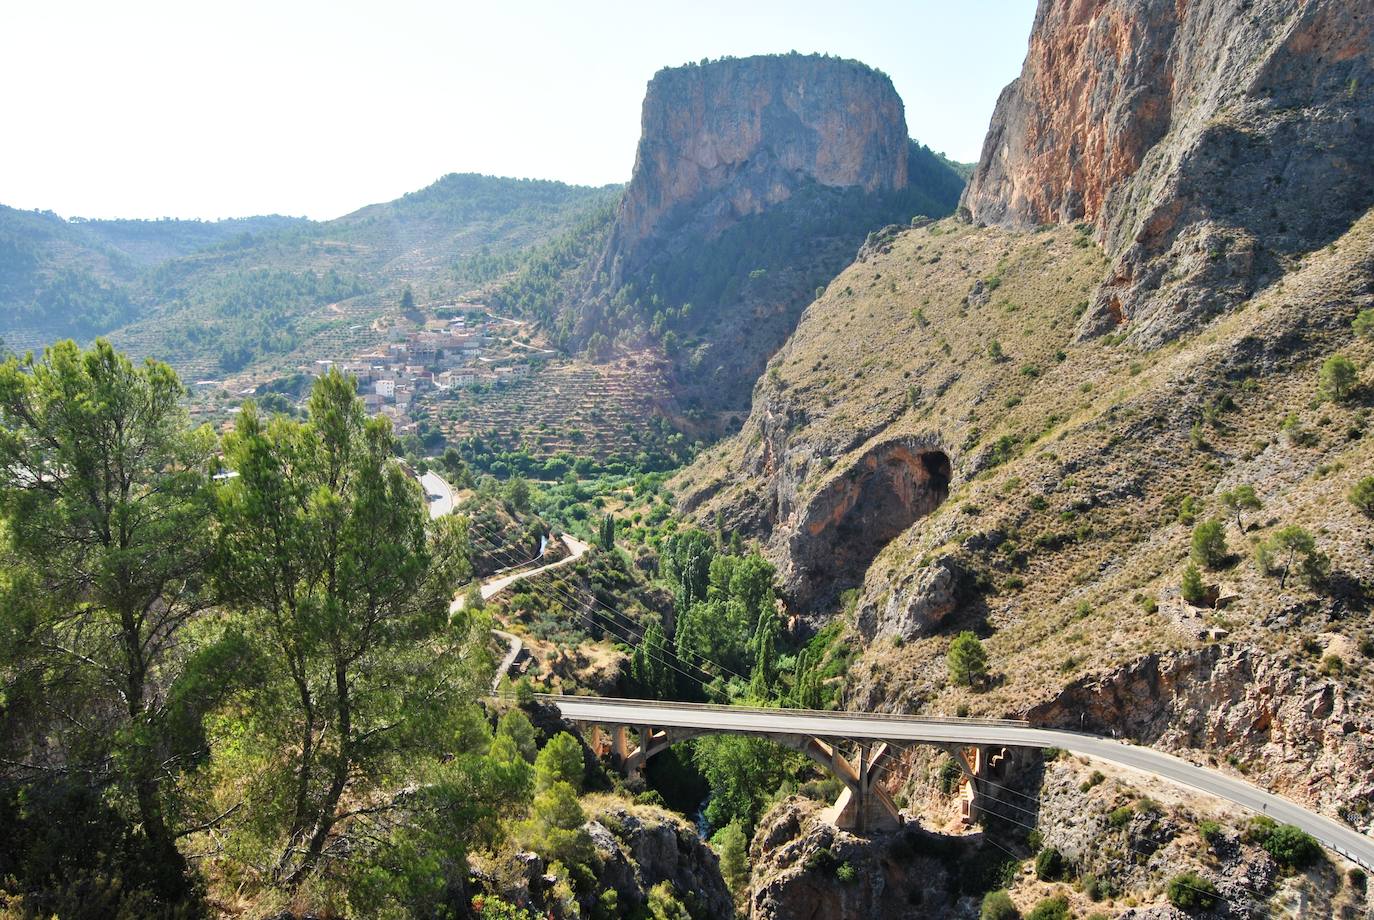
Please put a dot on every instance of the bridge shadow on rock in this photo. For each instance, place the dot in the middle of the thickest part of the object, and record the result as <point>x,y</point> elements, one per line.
<point>858,512</point>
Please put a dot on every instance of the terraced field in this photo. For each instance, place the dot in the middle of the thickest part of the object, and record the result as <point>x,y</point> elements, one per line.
<point>596,410</point>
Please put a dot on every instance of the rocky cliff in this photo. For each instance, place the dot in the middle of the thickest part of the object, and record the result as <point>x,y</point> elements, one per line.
<point>723,140</point>
<point>1208,143</point>
<point>755,181</point>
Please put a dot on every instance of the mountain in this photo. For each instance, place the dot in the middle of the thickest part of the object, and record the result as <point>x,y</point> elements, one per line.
<point>211,297</point>
<point>1010,422</point>
<point>1209,145</point>
<point>74,277</point>
<point>755,181</point>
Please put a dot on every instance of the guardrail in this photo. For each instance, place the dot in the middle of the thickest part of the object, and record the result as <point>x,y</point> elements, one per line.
<point>554,699</point>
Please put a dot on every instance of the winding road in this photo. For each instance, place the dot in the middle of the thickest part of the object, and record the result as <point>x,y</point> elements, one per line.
<point>912,729</point>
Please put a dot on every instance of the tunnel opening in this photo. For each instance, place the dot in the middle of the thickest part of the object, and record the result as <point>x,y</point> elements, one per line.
<point>850,521</point>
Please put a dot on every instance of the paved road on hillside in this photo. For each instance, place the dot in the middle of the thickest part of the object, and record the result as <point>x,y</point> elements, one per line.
<point>494,586</point>
<point>860,726</point>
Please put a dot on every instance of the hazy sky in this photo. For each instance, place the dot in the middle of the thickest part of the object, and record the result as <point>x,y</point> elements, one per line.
<point>188,108</point>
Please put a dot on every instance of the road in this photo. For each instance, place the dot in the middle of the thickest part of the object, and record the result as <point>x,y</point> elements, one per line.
<point>859,726</point>
<point>438,494</point>
<point>494,586</point>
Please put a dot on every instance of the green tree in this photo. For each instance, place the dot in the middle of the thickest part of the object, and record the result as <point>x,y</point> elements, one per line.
<point>517,493</point>
<point>516,726</point>
<point>1192,588</point>
<point>997,905</point>
<point>764,674</point>
<point>1209,543</point>
<point>1285,547</point>
<point>1240,499</point>
<point>1338,377</point>
<point>732,847</point>
<point>559,762</point>
<point>1189,891</point>
<point>555,827</point>
<point>967,660</point>
<point>687,566</point>
<point>334,568</point>
<point>1049,865</point>
<point>650,664</point>
<point>743,773</point>
<point>1364,323</point>
<point>105,494</point>
<point>1362,495</point>
<point>407,299</point>
<point>1292,847</point>
<point>664,904</point>
<point>606,533</point>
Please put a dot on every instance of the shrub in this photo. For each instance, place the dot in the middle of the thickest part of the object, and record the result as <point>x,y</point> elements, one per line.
<point>1291,847</point>
<point>1209,543</point>
<point>1097,888</point>
<point>846,873</point>
<point>1362,495</point>
<point>1120,817</point>
<point>1337,377</point>
<point>1364,323</point>
<point>1189,891</point>
<point>997,905</point>
<point>1095,779</point>
<point>1055,908</point>
<point>1209,831</point>
<point>1049,865</point>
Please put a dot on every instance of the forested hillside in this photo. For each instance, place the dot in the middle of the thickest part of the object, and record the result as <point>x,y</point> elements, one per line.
<point>216,297</point>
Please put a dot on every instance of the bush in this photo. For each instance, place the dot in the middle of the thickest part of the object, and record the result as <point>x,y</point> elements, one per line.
<point>1097,888</point>
<point>1362,495</point>
<point>846,873</point>
<point>1209,831</point>
<point>1190,891</point>
<point>1055,908</point>
<point>1049,865</point>
<point>1291,847</point>
<point>997,905</point>
<point>1120,817</point>
<point>1209,543</point>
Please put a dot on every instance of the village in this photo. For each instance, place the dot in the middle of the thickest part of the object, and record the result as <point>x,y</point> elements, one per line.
<point>446,347</point>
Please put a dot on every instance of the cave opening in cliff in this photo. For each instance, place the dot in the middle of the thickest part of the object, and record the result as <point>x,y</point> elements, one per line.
<point>887,491</point>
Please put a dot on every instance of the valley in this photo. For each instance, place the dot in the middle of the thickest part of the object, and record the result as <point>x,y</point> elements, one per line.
<point>811,526</point>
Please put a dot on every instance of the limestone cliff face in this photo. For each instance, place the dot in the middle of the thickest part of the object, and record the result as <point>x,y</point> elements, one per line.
<point>1207,142</point>
<point>725,140</point>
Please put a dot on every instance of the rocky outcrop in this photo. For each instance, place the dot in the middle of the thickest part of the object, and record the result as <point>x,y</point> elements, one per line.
<point>805,869</point>
<point>726,139</point>
<point>849,519</point>
<point>1296,733</point>
<point>1206,142</point>
<point>755,181</point>
<point>641,847</point>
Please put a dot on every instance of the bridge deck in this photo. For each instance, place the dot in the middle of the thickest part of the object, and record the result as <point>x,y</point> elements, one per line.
<point>863,726</point>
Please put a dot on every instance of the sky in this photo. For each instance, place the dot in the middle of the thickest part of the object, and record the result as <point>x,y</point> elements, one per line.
<point>188,108</point>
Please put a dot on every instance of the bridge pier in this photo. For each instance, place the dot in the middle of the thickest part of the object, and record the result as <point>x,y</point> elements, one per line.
<point>862,807</point>
<point>975,762</point>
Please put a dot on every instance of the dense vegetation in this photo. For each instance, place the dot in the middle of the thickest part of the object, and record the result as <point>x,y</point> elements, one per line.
<point>261,667</point>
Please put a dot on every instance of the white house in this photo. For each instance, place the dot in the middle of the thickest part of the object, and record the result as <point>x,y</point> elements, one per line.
<point>385,388</point>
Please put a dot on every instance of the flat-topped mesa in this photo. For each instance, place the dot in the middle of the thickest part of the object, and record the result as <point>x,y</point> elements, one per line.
<point>724,140</point>
<point>1205,142</point>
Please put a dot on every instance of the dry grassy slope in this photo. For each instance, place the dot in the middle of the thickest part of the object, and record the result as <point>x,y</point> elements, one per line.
<point>1103,455</point>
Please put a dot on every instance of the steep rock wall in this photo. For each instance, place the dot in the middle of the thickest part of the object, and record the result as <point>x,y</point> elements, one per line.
<point>1207,143</point>
<point>724,140</point>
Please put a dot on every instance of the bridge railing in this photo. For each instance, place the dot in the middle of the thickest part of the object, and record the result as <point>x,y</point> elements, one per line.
<point>554,699</point>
